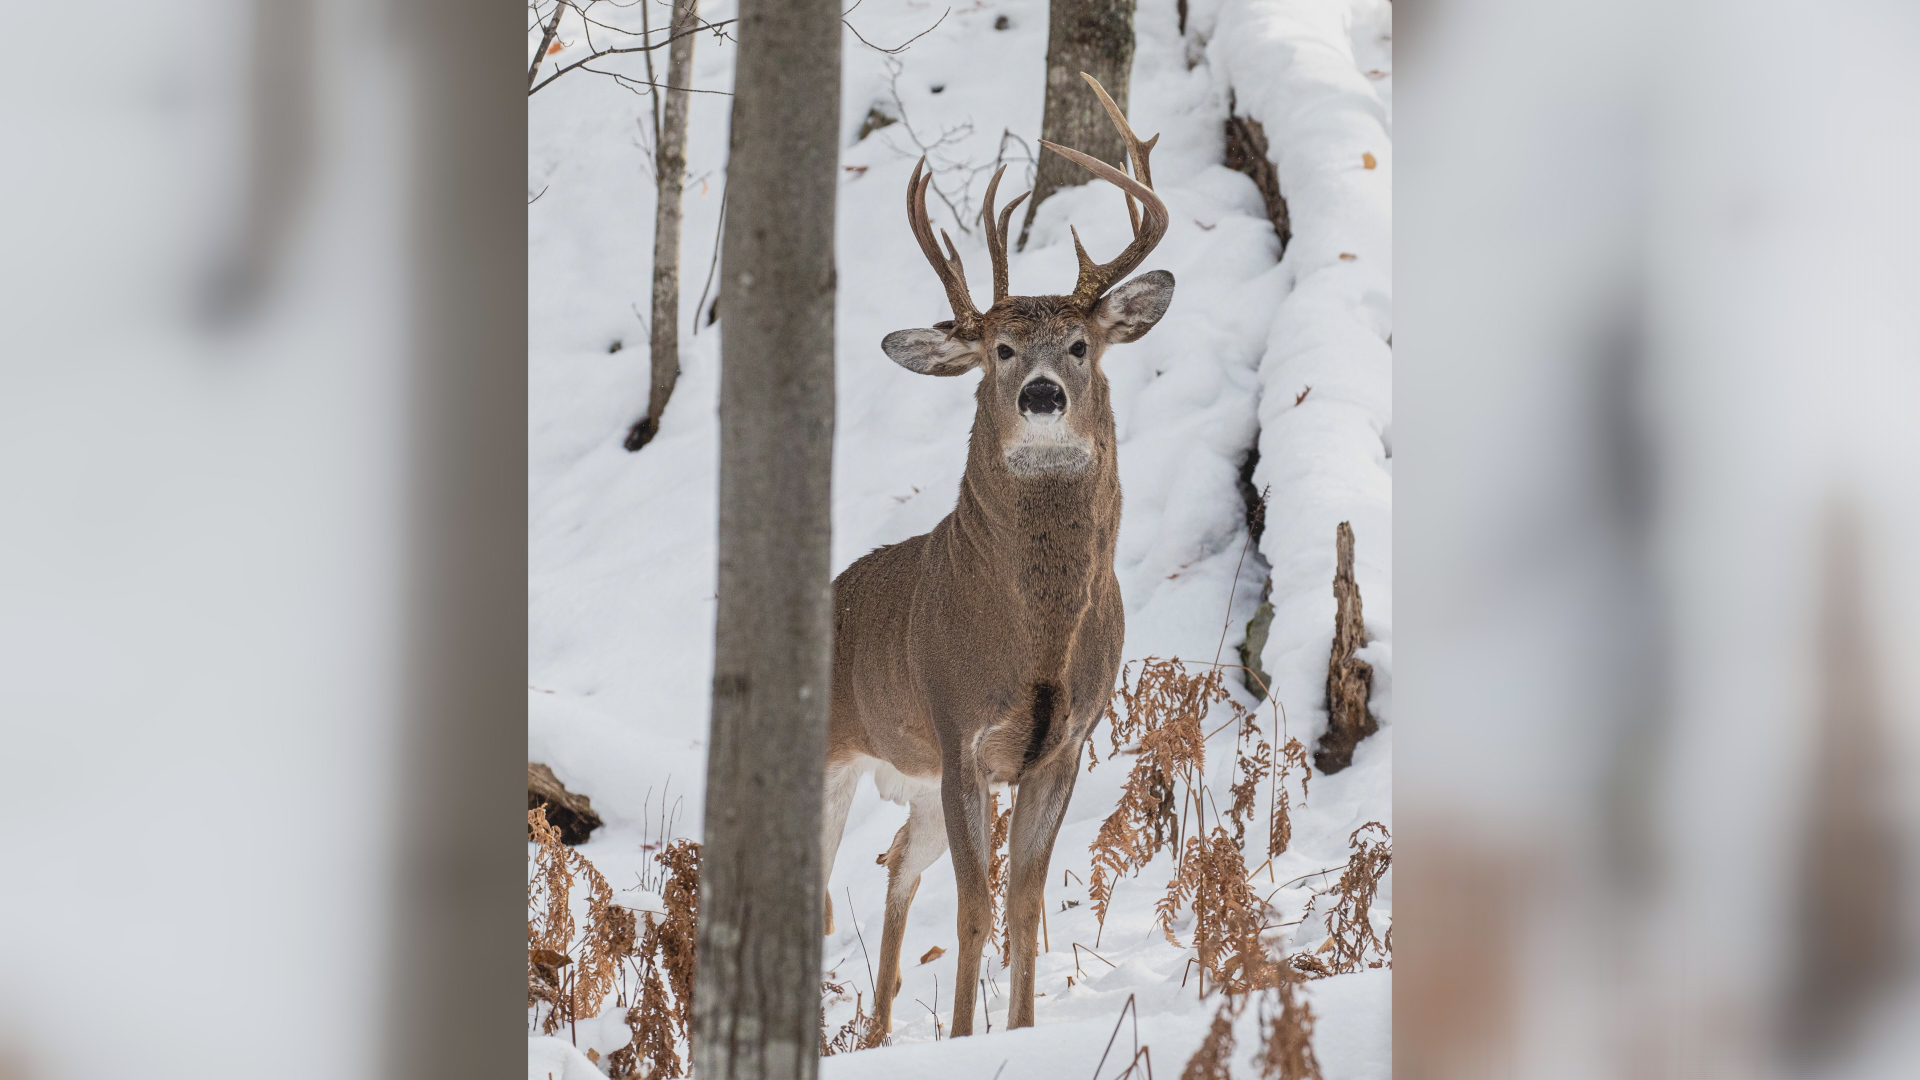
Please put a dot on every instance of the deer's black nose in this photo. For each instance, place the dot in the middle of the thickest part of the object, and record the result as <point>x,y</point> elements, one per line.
<point>1043,396</point>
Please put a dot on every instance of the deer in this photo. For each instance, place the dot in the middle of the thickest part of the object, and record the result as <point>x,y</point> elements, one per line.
<point>981,653</point>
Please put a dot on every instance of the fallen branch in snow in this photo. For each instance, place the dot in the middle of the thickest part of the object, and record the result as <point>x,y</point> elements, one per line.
<point>571,815</point>
<point>1247,153</point>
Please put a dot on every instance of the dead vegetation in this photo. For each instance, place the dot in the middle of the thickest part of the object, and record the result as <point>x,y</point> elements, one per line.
<point>851,1035</point>
<point>1002,822</point>
<point>1352,944</point>
<point>573,966</point>
<point>1158,716</point>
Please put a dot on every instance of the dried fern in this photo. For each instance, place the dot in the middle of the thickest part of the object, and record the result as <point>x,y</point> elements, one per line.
<point>1160,712</point>
<point>1286,1035</point>
<point>1352,944</point>
<point>573,967</point>
<point>997,875</point>
<point>1214,1059</point>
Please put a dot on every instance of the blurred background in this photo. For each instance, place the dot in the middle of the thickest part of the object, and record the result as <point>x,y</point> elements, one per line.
<point>262,539</point>
<point>262,518</point>
<point>1658,506</point>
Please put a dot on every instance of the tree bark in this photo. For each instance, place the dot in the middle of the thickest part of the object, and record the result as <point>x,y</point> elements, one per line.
<point>1349,680</point>
<point>1094,36</point>
<point>670,173</point>
<point>757,992</point>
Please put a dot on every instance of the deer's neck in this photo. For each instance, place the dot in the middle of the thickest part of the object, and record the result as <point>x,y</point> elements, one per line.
<point>1052,537</point>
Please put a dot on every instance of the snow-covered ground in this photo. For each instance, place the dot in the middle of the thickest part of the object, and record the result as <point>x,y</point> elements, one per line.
<point>621,564</point>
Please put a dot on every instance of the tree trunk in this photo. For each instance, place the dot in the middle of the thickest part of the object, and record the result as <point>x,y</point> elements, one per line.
<point>757,992</point>
<point>1094,36</point>
<point>455,965</point>
<point>670,173</point>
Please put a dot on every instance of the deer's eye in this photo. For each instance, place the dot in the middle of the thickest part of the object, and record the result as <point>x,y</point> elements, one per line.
<point>1078,348</point>
<point>1006,352</point>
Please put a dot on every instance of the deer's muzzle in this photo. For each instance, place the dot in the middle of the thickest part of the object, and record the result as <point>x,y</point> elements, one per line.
<point>1043,396</point>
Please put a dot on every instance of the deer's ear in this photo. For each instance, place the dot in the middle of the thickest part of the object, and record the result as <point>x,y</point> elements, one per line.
<point>1131,310</point>
<point>930,352</point>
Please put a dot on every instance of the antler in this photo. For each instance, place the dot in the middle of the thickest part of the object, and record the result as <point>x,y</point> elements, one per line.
<point>966,318</point>
<point>1097,278</point>
<point>997,236</point>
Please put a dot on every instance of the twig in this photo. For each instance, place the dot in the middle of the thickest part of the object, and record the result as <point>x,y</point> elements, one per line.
<point>718,228</point>
<point>536,198</point>
<point>1076,959</point>
<point>1116,1034</point>
<point>855,916</point>
<point>1145,1054</point>
<point>894,68</point>
<point>546,39</point>
<point>1231,589</point>
<point>636,49</point>
<point>902,47</point>
<point>1303,877</point>
<point>935,1011</point>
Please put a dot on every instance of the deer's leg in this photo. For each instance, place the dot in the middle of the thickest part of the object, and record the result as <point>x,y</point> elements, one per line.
<point>842,780</point>
<point>963,798</point>
<point>918,843</point>
<point>1042,802</point>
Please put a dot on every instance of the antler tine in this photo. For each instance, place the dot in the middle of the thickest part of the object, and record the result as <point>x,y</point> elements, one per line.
<point>997,236</point>
<point>1136,150</point>
<point>966,318</point>
<point>1097,278</point>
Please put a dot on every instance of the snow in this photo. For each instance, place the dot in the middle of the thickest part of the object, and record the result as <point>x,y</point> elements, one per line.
<point>621,557</point>
<point>551,1058</point>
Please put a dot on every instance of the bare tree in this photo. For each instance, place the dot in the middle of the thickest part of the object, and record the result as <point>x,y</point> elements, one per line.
<point>756,992</point>
<point>1095,37</point>
<point>670,172</point>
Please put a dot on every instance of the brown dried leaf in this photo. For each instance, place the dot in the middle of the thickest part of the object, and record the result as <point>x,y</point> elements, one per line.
<point>1368,161</point>
<point>932,954</point>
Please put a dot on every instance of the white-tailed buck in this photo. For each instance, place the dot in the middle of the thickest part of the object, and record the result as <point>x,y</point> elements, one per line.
<point>983,652</point>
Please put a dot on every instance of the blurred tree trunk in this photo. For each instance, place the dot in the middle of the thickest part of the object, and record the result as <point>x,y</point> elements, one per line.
<point>455,961</point>
<point>670,173</point>
<point>756,1002</point>
<point>1095,37</point>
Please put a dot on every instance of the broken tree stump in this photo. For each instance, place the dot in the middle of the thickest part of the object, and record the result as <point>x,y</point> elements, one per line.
<point>1349,681</point>
<point>571,814</point>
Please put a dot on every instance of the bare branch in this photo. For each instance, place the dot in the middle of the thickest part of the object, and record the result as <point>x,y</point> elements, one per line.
<point>546,40</point>
<point>711,266</point>
<point>903,45</point>
<point>636,49</point>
